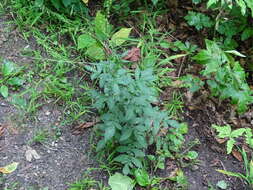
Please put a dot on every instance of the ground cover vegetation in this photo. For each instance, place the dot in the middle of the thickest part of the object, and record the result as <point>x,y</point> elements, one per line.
<point>123,69</point>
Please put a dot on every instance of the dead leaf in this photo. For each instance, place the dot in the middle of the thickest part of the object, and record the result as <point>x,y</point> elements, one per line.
<point>220,141</point>
<point>83,126</point>
<point>1,130</point>
<point>133,55</point>
<point>177,83</point>
<point>237,155</point>
<point>30,154</point>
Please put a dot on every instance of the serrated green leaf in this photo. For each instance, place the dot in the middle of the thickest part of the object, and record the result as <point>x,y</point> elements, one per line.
<point>237,133</point>
<point>223,131</point>
<point>230,145</point>
<point>121,36</point>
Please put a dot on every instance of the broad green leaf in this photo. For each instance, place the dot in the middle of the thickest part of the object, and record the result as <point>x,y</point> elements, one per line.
<point>230,145</point>
<point>9,168</point>
<point>121,182</point>
<point>126,134</point>
<point>16,81</point>
<point>100,145</point>
<point>102,27</point>
<point>121,36</point>
<point>56,4</point>
<point>85,41</point>
<point>66,3</point>
<point>136,162</point>
<point>4,91</point>
<point>222,184</point>
<point>142,177</point>
<point>235,53</point>
<point>247,33</point>
<point>8,68</point>
<point>95,52</point>
<point>109,133</point>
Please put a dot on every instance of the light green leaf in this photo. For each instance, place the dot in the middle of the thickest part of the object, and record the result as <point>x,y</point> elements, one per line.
<point>9,168</point>
<point>211,2</point>
<point>192,155</point>
<point>237,133</point>
<point>85,41</point>
<point>4,91</point>
<point>235,53</point>
<point>109,133</point>
<point>121,182</point>
<point>102,27</point>
<point>95,52</point>
<point>8,68</point>
<point>142,177</point>
<point>223,131</point>
<point>222,184</point>
<point>121,36</point>
<point>16,81</point>
<point>230,145</point>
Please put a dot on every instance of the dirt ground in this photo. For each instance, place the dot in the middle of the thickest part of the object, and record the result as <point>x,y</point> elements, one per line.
<point>65,159</point>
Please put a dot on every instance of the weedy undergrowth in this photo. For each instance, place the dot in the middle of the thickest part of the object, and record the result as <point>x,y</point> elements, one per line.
<point>129,121</point>
<point>225,76</point>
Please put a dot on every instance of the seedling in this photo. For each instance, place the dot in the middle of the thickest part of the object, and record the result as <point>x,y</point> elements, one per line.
<point>10,77</point>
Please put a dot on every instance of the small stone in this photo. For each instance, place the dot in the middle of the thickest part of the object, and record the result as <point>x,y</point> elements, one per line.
<point>48,113</point>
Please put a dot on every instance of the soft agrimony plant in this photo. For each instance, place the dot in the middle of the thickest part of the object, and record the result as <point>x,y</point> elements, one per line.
<point>128,120</point>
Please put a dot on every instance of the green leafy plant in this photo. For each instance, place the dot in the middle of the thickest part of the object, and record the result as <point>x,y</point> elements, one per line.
<point>248,165</point>
<point>225,76</point>
<point>10,77</point>
<point>231,135</point>
<point>243,4</point>
<point>128,119</point>
<point>94,44</point>
<point>198,20</point>
<point>66,6</point>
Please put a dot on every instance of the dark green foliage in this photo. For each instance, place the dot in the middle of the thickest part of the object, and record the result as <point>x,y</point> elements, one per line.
<point>128,118</point>
<point>226,77</point>
<point>198,20</point>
